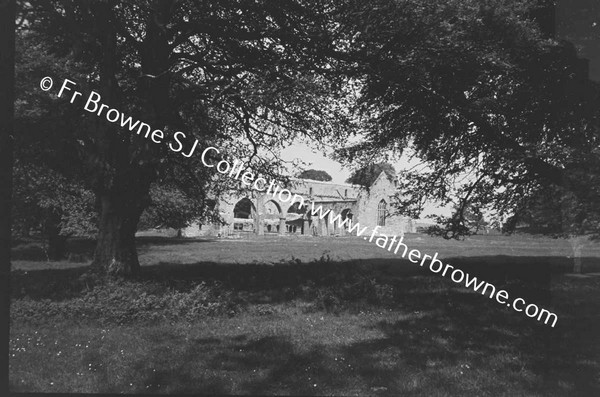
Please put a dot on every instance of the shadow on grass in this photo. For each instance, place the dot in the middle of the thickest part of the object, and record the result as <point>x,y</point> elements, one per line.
<point>36,250</point>
<point>451,341</point>
<point>531,273</point>
<point>54,284</point>
<point>143,241</point>
<point>458,347</point>
<point>82,249</point>
<point>502,269</point>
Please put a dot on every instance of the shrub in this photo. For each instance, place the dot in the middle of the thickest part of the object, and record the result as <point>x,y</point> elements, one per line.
<point>118,301</point>
<point>356,291</point>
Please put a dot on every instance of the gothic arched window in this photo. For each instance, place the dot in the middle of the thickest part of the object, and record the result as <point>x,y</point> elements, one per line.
<point>381,211</point>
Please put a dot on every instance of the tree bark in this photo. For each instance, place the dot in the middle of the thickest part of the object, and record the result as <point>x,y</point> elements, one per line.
<point>123,190</point>
<point>121,185</point>
<point>116,253</point>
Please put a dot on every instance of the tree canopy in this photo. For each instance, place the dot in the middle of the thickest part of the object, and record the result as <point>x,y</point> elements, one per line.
<point>494,107</point>
<point>367,175</point>
<point>316,175</point>
<point>242,76</point>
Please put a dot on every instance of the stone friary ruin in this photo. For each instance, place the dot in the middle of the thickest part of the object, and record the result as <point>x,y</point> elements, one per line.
<point>259,213</point>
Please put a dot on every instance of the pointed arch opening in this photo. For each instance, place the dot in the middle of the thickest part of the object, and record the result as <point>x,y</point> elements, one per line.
<point>381,212</point>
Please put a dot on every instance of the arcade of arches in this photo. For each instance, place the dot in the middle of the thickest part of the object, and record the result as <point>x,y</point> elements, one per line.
<point>261,214</point>
<point>274,216</point>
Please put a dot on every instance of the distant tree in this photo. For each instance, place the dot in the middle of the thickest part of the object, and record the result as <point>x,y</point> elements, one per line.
<point>170,208</point>
<point>475,219</point>
<point>50,195</point>
<point>316,175</point>
<point>472,222</point>
<point>366,176</point>
<point>57,207</point>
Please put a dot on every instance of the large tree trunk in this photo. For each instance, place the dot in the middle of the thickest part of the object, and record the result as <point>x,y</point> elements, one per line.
<point>123,184</point>
<point>121,206</point>
<point>116,252</point>
<point>123,192</point>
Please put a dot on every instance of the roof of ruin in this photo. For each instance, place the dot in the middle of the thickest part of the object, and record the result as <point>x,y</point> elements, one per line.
<point>320,191</point>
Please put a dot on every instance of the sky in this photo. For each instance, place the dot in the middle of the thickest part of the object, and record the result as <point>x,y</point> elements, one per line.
<point>315,160</point>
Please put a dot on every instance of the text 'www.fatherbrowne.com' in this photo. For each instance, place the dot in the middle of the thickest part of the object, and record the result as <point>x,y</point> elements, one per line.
<point>395,245</point>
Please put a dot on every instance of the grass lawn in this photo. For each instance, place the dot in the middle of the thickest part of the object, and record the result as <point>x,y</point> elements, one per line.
<point>334,316</point>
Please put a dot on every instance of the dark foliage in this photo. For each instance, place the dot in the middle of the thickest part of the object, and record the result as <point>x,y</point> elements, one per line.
<point>366,176</point>
<point>316,175</point>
